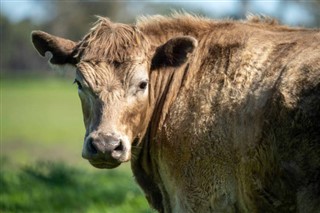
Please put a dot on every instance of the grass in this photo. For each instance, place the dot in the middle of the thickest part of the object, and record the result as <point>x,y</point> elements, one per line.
<point>42,114</point>
<point>56,187</point>
<point>41,167</point>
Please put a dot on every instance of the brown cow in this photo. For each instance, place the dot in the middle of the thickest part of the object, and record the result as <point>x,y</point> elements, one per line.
<point>216,116</point>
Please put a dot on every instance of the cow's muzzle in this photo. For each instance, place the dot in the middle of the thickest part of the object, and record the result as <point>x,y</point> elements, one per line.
<point>106,151</point>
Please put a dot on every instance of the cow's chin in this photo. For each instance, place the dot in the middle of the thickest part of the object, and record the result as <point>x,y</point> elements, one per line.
<point>104,165</point>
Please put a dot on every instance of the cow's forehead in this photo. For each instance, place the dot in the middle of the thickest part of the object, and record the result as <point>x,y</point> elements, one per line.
<point>99,74</point>
<point>112,42</point>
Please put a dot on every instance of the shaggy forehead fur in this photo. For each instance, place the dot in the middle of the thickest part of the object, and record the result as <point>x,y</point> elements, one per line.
<point>112,42</point>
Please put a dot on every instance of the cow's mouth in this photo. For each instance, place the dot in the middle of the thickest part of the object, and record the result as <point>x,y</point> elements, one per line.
<point>104,164</point>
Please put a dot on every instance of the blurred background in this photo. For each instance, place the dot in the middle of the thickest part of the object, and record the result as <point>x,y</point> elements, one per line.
<point>41,168</point>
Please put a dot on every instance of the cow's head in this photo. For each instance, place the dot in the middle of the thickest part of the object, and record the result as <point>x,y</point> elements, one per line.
<point>113,63</point>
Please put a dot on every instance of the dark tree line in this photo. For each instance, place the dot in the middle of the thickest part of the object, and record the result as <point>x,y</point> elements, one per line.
<point>17,52</point>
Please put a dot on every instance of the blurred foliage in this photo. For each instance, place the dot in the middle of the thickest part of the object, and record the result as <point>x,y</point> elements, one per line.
<point>314,8</point>
<point>56,187</point>
<point>76,23</point>
<point>17,53</point>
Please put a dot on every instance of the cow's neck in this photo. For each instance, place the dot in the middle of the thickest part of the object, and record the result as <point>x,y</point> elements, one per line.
<point>165,85</point>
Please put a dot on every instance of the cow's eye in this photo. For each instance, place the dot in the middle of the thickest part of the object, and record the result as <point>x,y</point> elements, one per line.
<point>78,83</point>
<point>143,85</point>
<point>116,64</point>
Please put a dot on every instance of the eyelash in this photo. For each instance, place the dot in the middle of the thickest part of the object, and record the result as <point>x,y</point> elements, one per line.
<point>78,83</point>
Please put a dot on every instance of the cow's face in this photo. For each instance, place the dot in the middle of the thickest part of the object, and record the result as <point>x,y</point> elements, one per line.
<point>113,65</point>
<point>114,101</point>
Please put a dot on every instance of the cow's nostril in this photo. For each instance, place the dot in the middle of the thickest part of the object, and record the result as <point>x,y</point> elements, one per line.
<point>91,147</point>
<point>118,151</point>
<point>119,147</point>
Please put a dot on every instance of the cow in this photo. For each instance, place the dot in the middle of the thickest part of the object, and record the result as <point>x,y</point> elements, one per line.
<point>214,115</point>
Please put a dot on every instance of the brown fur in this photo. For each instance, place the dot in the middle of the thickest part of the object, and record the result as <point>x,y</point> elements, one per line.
<point>231,119</point>
<point>109,41</point>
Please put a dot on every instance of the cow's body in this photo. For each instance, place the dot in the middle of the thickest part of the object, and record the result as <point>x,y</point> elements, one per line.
<point>244,132</point>
<point>237,127</point>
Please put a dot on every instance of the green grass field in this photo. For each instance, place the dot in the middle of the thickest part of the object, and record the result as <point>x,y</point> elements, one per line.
<point>41,168</point>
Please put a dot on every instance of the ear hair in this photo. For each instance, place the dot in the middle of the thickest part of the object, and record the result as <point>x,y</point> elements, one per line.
<point>60,48</point>
<point>174,52</point>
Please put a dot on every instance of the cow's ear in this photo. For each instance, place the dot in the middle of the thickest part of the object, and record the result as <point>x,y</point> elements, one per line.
<point>174,52</point>
<point>60,48</point>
